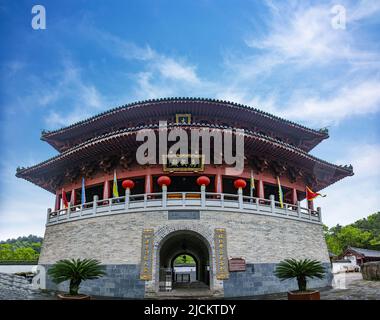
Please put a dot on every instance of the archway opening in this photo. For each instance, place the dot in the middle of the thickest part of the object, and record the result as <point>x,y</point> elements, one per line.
<point>184,261</point>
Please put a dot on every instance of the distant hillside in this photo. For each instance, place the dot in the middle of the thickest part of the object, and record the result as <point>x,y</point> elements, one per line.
<point>364,233</point>
<point>23,248</point>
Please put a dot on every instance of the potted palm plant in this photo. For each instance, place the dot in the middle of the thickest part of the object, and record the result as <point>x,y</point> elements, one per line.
<point>301,270</point>
<point>75,271</point>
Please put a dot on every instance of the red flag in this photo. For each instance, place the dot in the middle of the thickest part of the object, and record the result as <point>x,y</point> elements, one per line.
<point>311,195</point>
<point>64,199</point>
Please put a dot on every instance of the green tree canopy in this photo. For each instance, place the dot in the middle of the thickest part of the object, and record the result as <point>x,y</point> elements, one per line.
<point>364,233</point>
<point>23,248</point>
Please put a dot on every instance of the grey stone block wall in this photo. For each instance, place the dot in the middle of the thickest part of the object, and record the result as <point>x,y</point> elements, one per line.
<point>259,279</point>
<point>121,280</point>
<point>115,240</point>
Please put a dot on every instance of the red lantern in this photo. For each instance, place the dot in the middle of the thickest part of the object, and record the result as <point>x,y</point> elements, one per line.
<point>128,184</point>
<point>240,183</point>
<point>203,181</point>
<point>164,181</point>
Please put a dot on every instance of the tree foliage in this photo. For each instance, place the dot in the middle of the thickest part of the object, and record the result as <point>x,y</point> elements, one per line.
<point>23,248</point>
<point>184,259</point>
<point>364,233</point>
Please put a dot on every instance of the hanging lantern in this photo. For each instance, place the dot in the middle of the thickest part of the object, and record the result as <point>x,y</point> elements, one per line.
<point>203,181</point>
<point>240,183</point>
<point>164,181</point>
<point>128,184</point>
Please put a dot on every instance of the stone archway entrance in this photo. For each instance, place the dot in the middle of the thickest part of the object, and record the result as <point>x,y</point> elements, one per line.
<point>184,243</point>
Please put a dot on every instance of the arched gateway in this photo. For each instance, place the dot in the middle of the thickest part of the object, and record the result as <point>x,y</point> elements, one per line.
<point>176,239</point>
<point>179,243</point>
<point>235,225</point>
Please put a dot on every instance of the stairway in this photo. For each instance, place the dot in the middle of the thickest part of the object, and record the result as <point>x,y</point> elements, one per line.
<point>189,290</point>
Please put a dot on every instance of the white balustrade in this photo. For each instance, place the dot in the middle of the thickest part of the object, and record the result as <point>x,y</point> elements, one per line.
<point>184,200</point>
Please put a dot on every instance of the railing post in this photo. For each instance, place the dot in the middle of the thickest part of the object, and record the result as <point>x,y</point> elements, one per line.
<point>164,195</point>
<point>68,211</point>
<point>299,209</point>
<point>127,198</point>
<point>222,200</point>
<point>48,215</point>
<point>272,204</point>
<point>319,213</point>
<point>203,196</point>
<point>240,195</point>
<point>145,199</point>
<point>95,204</point>
<point>183,195</point>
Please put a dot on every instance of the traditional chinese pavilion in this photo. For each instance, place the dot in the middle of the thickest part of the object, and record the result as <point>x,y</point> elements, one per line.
<point>236,228</point>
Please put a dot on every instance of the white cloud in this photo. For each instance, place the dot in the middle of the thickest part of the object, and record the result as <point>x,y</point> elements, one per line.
<point>84,98</point>
<point>347,101</point>
<point>299,45</point>
<point>120,47</point>
<point>354,197</point>
<point>365,160</point>
<point>24,213</point>
<point>363,9</point>
<point>172,69</point>
<point>303,35</point>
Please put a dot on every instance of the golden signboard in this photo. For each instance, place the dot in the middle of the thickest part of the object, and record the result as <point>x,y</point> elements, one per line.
<point>183,162</point>
<point>147,254</point>
<point>183,118</point>
<point>220,239</point>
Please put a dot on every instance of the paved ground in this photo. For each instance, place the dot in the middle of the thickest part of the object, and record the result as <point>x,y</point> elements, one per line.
<point>351,286</point>
<point>346,286</point>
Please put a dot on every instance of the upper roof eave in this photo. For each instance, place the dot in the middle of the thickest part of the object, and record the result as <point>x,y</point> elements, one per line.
<point>52,136</point>
<point>23,173</point>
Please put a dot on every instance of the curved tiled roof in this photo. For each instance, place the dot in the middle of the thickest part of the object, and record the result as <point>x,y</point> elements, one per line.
<point>52,135</point>
<point>105,138</point>
<point>365,252</point>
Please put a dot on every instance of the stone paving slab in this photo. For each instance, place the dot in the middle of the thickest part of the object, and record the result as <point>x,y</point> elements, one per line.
<point>346,286</point>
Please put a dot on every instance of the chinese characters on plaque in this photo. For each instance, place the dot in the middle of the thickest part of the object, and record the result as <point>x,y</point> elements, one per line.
<point>146,254</point>
<point>220,239</point>
<point>184,162</point>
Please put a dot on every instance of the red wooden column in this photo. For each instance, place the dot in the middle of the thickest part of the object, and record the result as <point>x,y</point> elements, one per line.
<point>294,196</point>
<point>218,183</point>
<point>148,183</point>
<point>57,205</point>
<point>106,190</point>
<point>260,189</point>
<point>73,198</point>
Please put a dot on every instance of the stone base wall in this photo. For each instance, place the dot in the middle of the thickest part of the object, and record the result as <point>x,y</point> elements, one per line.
<point>259,279</point>
<point>121,281</point>
<point>115,240</point>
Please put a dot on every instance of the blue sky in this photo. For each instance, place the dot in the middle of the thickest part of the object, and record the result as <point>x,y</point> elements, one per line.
<point>281,57</point>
